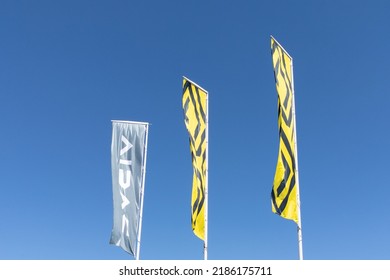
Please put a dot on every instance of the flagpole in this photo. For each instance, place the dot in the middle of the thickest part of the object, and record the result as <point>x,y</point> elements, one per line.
<point>142,193</point>
<point>207,181</point>
<point>299,224</point>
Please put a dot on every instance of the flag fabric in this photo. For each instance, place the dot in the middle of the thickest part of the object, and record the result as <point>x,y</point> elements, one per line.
<point>194,105</point>
<point>284,190</point>
<point>128,157</point>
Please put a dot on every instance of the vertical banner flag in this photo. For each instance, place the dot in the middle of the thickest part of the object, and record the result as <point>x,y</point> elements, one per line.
<point>128,159</point>
<point>195,112</point>
<point>284,190</point>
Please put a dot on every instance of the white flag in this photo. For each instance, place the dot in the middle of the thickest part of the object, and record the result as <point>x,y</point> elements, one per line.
<point>128,159</point>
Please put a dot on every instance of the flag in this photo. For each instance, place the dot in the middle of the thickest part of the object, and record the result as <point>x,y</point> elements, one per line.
<point>128,158</point>
<point>284,190</point>
<point>195,113</point>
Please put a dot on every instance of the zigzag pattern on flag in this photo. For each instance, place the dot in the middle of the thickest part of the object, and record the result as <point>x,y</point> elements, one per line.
<point>284,195</point>
<point>194,106</point>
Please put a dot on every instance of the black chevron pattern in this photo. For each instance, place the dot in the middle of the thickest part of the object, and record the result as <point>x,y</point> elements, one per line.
<point>194,106</point>
<point>283,195</point>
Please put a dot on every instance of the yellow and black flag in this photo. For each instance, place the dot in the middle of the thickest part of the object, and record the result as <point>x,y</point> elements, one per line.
<point>195,114</point>
<point>284,191</point>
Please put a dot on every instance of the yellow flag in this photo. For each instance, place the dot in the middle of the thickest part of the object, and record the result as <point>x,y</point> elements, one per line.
<point>194,106</point>
<point>284,190</point>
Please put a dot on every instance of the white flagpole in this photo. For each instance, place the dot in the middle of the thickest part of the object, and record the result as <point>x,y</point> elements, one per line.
<point>299,224</point>
<point>207,180</point>
<point>142,193</point>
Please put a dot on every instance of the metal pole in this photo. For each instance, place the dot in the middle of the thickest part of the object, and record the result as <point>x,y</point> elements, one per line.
<point>142,193</point>
<point>207,180</point>
<point>299,224</point>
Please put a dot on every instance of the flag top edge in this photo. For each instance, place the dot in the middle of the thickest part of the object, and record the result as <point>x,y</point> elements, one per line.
<point>195,84</point>
<point>130,122</point>
<point>284,50</point>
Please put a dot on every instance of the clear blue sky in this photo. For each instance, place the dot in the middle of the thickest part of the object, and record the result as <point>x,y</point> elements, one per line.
<point>67,68</point>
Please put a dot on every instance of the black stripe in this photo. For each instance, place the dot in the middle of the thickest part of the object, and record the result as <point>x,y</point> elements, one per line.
<point>276,71</point>
<point>196,202</point>
<point>286,198</point>
<point>281,67</point>
<point>203,138</point>
<point>191,95</point>
<point>280,208</point>
<point>185,86</point>
<point>288,119</point>
<point>288,147</point>
<point>199,98</point>
<point>192,143</point>
<point>288,83</point>
<point>274,46</point>
<point>204,161</point>
<point>273,200</point>
<point>185,106</point>
<point>287,172</point>
<point>199,201</point>
<point>198,126</point>
<point>198,150</point>
<point>279,116</point>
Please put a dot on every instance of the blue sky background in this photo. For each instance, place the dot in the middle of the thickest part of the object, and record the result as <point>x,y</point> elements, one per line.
<point>67,68</point>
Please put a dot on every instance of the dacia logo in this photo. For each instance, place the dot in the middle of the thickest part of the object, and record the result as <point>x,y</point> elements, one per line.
<point>125,177</point>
